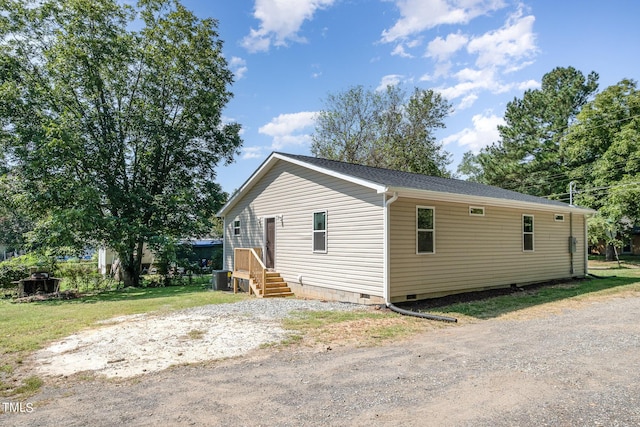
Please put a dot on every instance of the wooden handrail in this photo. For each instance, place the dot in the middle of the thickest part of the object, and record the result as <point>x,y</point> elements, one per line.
<point>248,260</point>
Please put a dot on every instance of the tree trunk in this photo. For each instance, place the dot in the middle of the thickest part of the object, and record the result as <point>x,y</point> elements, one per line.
<point>132,265</point>
<point>610,253</point>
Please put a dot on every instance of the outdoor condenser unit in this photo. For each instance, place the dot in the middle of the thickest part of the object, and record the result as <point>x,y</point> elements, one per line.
<point>220,280</point>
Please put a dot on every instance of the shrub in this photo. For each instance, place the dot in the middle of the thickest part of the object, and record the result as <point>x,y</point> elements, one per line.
<point>82,275</point>
<point>18,268</point>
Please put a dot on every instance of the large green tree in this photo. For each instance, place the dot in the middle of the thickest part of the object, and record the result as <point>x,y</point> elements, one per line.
<point>527,157</point>
<point>111,118</point>
<point>15,222</point>
<point>384,129</point>
<point>602,150</point>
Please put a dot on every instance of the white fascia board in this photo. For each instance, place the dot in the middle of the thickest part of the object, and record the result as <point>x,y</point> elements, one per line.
<point>369,184</point>
<point>272,159</point>
<point>489,201</point>
<point>264,167</point>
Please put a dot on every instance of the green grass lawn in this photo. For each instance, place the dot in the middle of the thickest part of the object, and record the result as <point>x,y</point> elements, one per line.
<point>610,281</point>
<point>26,327</point>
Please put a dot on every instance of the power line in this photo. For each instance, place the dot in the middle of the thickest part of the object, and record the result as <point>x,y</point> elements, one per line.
<point>597,191</point>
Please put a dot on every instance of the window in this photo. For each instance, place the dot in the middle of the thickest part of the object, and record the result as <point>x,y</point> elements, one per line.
<point>236,227</point>
<point>476,210</point>
<point>527,232</point>
<point>559,217</point>
<point>320,232</point>
<point>425,230</point>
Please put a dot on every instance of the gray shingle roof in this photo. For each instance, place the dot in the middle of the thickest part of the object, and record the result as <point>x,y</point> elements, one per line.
<point>399,179</point>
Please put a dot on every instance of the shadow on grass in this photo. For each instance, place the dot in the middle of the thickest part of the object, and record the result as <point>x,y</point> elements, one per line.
<point>129,294</point>
<point>493,303</point>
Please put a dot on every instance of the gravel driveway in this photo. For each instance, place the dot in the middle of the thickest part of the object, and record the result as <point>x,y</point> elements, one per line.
<point>570,367</point>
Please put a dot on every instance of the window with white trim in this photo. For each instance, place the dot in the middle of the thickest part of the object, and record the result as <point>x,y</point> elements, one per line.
<point>476,210</point>
<point>425,230</point>
<point>320,232</point>
<point>527,233</point>
<point>559,217</point>
<point>236,227</point>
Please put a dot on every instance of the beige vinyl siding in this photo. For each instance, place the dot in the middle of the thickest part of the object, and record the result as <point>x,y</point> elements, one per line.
<point>476,252</point>
<point>355,229</point>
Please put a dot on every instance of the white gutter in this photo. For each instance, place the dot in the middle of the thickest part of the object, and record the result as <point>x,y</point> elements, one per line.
<point>442,196</point>
<point>387,250</point>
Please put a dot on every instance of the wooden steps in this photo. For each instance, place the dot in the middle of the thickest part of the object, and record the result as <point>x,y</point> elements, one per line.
<point>275,286</point>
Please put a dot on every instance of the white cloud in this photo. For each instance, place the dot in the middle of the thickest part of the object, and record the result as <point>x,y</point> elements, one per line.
<point>252,153</point>
<point>467,102</point>
<point>420,15</point>
<point>513,42</point>
<point>280,21</point>
<point>287,129</point>
<point>471,80</point>
<point>426,77</point>
<point>399,51</point>
<point>389,80</point>
<point>238,66</point>
<point>483,133</point>
<point>529,84</point>
<point>443,49</point>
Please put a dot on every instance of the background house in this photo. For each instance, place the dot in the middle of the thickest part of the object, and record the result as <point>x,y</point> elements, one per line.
<point>348,232</point>
<point>195,251</point>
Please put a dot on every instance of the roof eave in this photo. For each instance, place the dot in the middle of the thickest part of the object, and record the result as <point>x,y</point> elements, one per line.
<point>273,158</point>
<point>262,169</point>
<point>492,201</point>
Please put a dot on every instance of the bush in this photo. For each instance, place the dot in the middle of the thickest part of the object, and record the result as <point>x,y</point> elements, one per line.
<point>82,276</point>
<point>12,273</point>
<point>18,268</point>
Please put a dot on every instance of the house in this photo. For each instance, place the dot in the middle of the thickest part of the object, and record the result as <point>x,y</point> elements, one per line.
<point>346,232</point>
<point>198,249</point>
<point>7,252</point>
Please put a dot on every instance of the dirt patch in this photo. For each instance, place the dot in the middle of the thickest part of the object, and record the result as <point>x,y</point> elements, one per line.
<point>139,344</point>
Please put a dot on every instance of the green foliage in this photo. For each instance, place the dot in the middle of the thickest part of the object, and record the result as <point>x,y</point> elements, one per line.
<point>14,221</point>
<point>115,133</point>
<point>19,267</point>
<point>10,273</point>
<point>527,156</point>
<point>82,276</point>
<point>470,167</point>
<point>603,150</point>
<point>384,129</point>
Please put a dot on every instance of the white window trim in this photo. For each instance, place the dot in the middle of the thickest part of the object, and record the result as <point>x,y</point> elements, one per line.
<point>471,208</point>
<point>433,230</point>
<point>558,217</point>
<point>239,227</point>
<point>533,233</point>
<point>314,231</point>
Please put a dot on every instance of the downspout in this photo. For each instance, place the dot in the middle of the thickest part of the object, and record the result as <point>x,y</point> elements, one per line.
<point>387,249</point>
<point>585,248</point>
<point>224,244</point>
<point>387,273</point>
<point>571,250</point>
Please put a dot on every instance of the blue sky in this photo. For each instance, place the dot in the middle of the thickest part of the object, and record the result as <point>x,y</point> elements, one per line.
<point>288,55</point>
